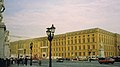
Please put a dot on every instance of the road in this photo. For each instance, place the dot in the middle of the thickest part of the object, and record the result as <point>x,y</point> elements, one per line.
<point>45,63</point>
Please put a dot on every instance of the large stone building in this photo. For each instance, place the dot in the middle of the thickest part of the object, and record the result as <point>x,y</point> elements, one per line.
<point>84,43</point>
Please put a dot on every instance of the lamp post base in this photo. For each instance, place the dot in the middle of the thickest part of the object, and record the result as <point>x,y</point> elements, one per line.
<point>31,61</point>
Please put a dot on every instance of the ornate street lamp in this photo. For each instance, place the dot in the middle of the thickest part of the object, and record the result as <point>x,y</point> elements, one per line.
<point>50,32</point>
<point>31,45</point>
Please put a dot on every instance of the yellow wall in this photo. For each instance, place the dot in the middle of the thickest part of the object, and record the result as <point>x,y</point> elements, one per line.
<point>73,44</point>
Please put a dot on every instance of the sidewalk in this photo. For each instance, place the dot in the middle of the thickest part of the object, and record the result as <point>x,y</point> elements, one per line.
<point>15,65</point>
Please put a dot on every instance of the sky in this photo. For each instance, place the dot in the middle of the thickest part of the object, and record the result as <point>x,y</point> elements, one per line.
<point>30,18</point>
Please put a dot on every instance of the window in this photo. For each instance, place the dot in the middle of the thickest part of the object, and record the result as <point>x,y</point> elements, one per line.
<point>56,54</point>
<point>75,41</point>
<point>83,40</point>
<point>93,47</point>
<point>88,39</point>
<point>71,41</point>
<point>83,46</point>
<point>68,48</point>
<point>79,53</point>
<point>79,47</point>
<point>68,42</point>
<point>75,53</point>
<point>75,47</point>
<point>83,53</point>
<point>68,54</point>
<point>79,40</point>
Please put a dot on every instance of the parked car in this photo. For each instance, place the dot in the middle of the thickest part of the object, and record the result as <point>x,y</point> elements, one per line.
<point>35,61</point>
<point>117,58</point>
<point>60,60</point>
<point>82,59</point>
<point>67,59</point>
<point>106,60</point>
<point>93,58</point>
<point>74,59</point>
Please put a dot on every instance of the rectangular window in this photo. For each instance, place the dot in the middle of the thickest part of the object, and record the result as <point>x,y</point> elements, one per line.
<point>83,46</point>
<point>68,54</point>
<point>68,48</point>
<point>88,46</point>
<point>93,47</point>
<point>62,48</point>
<point>56,54</point>
<point>79,47</point>
<point>75,41</point>
<point>68,42</point>
<point>75,53</point>
<point>71,41</point>
<point>88,39</point>
<point>79,40</point>
<point>62,42</point>
<point>79,53</point>
<point>83,53</point>
<point>83,40</point>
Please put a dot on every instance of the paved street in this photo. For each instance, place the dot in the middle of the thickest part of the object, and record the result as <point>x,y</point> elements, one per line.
<point>71,64</point>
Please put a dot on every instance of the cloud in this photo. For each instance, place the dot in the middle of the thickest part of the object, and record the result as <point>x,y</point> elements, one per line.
<point>33,18</point>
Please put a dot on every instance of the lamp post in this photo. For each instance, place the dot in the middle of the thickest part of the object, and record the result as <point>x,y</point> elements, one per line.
<point>31,45</point>
<point>50,32</point>
<point>119,50</point>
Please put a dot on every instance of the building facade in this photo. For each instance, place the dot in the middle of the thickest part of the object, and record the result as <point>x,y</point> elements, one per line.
<point>84,43</point>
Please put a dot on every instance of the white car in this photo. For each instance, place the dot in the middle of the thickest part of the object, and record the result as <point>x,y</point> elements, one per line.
<point>35,61</point>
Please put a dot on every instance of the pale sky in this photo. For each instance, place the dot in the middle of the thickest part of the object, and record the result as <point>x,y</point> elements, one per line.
<point>30,18</point>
